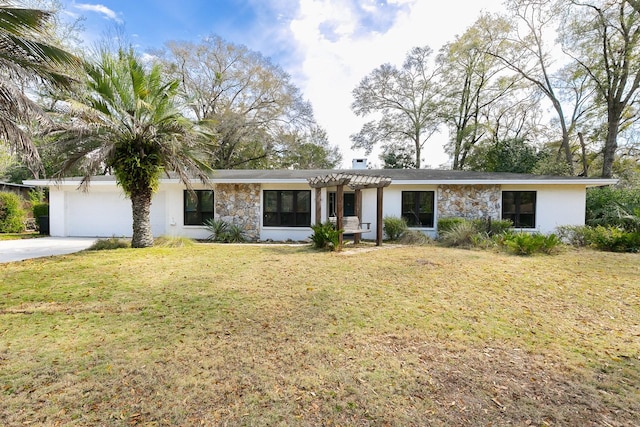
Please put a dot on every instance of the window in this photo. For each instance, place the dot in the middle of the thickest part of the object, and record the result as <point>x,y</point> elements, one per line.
<point>198,206</point>
<point>287,208</point>
<point>417,208</point>
<point>520,208</point>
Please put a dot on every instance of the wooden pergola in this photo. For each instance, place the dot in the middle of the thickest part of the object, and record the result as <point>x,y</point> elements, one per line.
<point>356,182</point>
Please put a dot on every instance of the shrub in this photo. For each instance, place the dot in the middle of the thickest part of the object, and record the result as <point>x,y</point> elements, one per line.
<point>492,227</point>
<point>414,237</point>
<point>529,243</point>
<point>218,229</point>
<point>12,214</point>
<point>40,209</point>
<point>394,227</point>
<point>447,223</point>
<point>110,243</point>
<point>325,236</point>
<point>614,207</point>
<point>615,239</point>
<point>223,232</point>
<point>575,235</point>
<point>235,234</point>
<point>463,233</point>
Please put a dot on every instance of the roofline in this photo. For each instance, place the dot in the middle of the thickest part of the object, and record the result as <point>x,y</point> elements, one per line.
<point>588,182</point>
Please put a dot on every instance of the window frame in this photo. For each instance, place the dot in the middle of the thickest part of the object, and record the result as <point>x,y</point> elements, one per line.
<point>203,215</point>
<point>296,216</point>
<point>418,199</point>
<point>517,215</point>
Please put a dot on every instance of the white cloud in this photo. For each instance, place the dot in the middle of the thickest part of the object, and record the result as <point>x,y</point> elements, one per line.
<point>101,9</point>
<point>339,42</point>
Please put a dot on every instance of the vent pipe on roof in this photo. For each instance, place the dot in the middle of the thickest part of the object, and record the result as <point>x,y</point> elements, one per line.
<point>359,164</point>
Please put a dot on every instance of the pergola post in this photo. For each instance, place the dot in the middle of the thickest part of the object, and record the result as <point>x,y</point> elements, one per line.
<point>318,206</point>
<point>358,212</point>
<point>379,217</point>
<point>340,211</point>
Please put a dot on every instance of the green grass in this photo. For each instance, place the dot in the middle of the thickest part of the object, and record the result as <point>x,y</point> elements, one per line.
<point>18,236</point>
<point>285,335</point>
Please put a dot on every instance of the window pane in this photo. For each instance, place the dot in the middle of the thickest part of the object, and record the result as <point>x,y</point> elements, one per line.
<point>206,200</point>
<point>303,202</point>
<point>192,218</point>
<point>286,201</point>
<point>190,201</point>
<point>527,202</point>
<point>270,218</point>
<point>508,203</point>
<point>271,201</point>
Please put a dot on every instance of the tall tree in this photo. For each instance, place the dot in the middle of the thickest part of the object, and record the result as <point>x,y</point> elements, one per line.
<point>474,80</point>
<point>26,54</point>
<point>603,36</point>
<point>531,56</point>
<point>127,120</point>
<point>245,101</point>
<point>403,99</point>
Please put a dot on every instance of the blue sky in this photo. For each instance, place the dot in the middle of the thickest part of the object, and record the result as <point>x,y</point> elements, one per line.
<point>327,46</point>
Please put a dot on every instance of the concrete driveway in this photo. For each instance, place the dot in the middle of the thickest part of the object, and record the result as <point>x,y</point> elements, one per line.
<point>18,250</point>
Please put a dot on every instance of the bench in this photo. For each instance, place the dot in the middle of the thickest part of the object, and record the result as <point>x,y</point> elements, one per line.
<point>351,225</point>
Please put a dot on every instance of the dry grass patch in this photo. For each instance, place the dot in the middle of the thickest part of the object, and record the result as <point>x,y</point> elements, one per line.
<point>284,335</point>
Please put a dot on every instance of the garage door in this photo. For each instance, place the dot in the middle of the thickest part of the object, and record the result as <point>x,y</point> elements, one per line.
<point>106,214</point>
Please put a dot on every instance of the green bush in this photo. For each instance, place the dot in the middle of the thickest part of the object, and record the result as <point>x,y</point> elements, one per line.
<point>12,214</point>
<point>614,207</point>
<point>235,234</point>
<point>529,243</point>
<point>325,236</point>
<point>575,235</point>
<point>447,223</point>
<point>492,227</point>
<point>218,229</point>
<point>110,243</point>
<point>40,209</point>
<point>615,239</point>
<point>394,227</point>
<point>223,232</point>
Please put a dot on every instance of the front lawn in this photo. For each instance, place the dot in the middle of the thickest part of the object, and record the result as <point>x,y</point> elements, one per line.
<point>285,335</point>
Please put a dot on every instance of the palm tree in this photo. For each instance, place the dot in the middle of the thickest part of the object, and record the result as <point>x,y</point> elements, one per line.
<point>25,55</point>
<point>127,121</point>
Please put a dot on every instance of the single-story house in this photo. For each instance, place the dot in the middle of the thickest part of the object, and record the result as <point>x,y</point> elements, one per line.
<point>283,204</point>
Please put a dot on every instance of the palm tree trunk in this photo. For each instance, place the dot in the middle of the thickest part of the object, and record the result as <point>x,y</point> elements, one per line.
<point>141,210</point>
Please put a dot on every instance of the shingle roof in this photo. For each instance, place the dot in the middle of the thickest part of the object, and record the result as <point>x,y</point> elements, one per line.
<point>431,176</point>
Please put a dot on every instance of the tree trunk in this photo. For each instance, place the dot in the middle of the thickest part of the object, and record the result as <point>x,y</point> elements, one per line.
<point>610,146</point>
<point>141,210</point>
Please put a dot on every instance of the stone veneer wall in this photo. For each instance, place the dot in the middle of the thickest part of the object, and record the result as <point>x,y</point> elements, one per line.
<point>239,204</point>
<point>469,201</point>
